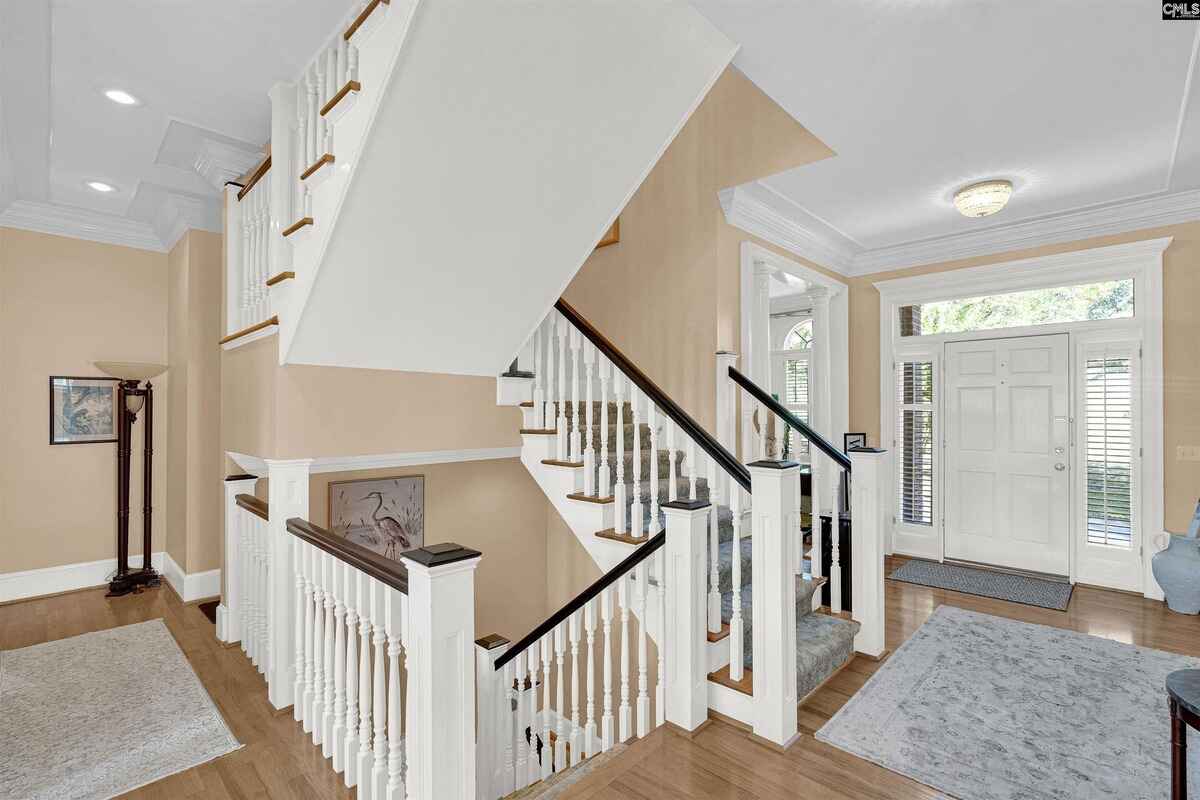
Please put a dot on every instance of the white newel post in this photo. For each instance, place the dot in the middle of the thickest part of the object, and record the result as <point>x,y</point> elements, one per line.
<point>440,730</point>
<point>686,639</point>
<point>867,507</point>
<point>773,484</point>
<point>490,697</point>
<point>229,611</point>
<point>287,497</point>
<point>283,142</point>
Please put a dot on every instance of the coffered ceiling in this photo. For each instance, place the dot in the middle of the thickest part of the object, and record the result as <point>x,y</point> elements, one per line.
<point>1090,110</point>
<point>201,72</point>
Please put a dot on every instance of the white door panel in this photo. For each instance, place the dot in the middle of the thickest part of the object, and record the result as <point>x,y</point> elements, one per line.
<point>1007,476</point>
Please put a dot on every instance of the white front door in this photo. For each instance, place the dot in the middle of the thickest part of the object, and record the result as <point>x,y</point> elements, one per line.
<point>1008,488</point>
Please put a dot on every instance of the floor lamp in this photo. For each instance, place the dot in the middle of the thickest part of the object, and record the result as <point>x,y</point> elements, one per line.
<point>134,393</point>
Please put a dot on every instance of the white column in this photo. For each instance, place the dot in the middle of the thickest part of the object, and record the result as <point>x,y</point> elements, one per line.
<point>773,484</point>
<point>288,497</point>
<point>441,671</point>
<point>229,627</point>
<point>686,639</point>
<point>283,116</point>
<point>495,725</point>
<point>868,506</point>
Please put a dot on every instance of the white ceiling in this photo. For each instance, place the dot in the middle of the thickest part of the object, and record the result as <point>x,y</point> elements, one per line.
<point>1080,106</point>
<point>202,72</point>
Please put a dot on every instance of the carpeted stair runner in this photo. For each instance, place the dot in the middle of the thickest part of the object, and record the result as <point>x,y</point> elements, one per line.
<point>823,642</point>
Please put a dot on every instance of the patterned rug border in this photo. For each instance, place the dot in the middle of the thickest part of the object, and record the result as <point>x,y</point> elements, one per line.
<point>916,564</point>
<point>860,696</point>
<point>157,623</point>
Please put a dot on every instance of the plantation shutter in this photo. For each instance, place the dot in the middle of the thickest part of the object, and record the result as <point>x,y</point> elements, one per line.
<point>1109,441</point>
<point>795,399</point>
<point>914,441</point>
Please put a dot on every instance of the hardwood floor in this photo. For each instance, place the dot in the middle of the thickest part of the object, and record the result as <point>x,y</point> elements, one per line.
<point>721,761</point>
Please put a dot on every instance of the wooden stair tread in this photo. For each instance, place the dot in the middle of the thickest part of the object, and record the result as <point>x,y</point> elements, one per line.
<point>623,538</point>
<point>541,431</point>
<point>589,499</point>
<point>297,225</point>
<point>266,323</point>
<point>342,93</point>
<point>719,635</point>
<point>527,404</point>
<point>745,685</point>
<point>839,615</point>
<point>554,462</point>
<point>286,275</point>
<point>255,177</point>
<point>316,165</point>
<point>361,18</point>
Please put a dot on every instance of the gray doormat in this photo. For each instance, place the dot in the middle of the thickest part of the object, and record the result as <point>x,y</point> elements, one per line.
<point>985,708</point>
<point>94,716</point>
<point>986,583</point>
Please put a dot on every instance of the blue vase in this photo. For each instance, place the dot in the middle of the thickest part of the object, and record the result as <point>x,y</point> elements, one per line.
<point>1177,570</point>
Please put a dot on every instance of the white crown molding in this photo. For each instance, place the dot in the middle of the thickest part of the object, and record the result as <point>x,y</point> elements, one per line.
<point>752,208</point>
<point>759,210</point>
<point>80,223</point>
<point>66,578</point>
<point>179,213</point>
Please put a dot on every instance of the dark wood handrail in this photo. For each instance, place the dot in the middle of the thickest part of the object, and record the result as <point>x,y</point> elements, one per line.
<point>703,438</point>
<point>254,178</point>
<point>390,573</point>
<point>579,601</point>
<point>791,419</point>
<point>252,504</point>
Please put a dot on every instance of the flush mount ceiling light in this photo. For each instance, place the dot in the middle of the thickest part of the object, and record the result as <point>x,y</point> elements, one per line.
<point>983,199</point>
<point>121,97</point>
<point>101,186</point>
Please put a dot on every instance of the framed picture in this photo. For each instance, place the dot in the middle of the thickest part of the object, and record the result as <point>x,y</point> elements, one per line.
<point>386,515</point>
<point>850,440</point>
<point>82,410</point>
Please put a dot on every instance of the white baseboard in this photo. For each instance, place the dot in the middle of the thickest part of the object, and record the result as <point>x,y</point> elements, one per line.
<point>195,586</point>
<point>67,578</point>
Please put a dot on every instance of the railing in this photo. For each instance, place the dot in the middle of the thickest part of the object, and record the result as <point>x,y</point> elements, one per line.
<point>254,577</point>
<point>248,248</point>
<point>770,421</point>
<point>519,743</point>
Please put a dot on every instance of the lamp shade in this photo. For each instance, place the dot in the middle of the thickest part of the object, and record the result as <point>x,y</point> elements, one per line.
<point>130,370</point>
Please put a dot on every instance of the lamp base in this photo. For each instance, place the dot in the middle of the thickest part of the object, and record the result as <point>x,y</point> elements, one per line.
<point>133,582</point>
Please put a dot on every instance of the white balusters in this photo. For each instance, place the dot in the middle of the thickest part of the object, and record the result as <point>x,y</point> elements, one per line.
<point>619,521</point>
<point>349,743</point>
<point>606,721</point>
<point>660,691</point>
<point>327,703</point>
<point>589,731</point>
<point>551,408</point>
<point>364,758</point>
<point>379,693</point>
<point>735,622</point>
<point>651,422</point>
<point>835,560</point>
<point>576,753</point>
<point>319,664</point>
<point>521,761</point>
<point>672,450</point>
<point>636,513</point>
<point>589,445</point>
<point>714,547</point>
<point>547,709</point>
<point>298,557</point>
<point>338,739</point>
<point>509,726</point>
<point>560,709</point>
<point>311,598</point>
<point>643,696</point>
<point>564,332</point>
<point>623,715</point>
<point>539,380</point>
<point>604,488</point>
<point>393,621</point>
<point>576,440</point>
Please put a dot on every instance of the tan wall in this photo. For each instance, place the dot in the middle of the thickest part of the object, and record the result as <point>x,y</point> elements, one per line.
<point>177,402</point>
<point>65,303</point>
<point>1181,356</point>
<point>492,506</point>
<point>667,294</point>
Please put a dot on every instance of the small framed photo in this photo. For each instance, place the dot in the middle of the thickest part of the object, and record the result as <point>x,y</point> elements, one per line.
<point>852,440</point>
<point>82,410</point>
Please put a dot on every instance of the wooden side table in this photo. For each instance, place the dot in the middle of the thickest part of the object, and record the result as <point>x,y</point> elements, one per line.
<point>1183,693</point>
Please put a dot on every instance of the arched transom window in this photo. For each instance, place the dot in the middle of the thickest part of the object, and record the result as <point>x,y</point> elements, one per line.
<point>800,337</point>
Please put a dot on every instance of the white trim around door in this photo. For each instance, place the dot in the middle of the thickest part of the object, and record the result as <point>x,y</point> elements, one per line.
<point>1142,262</point>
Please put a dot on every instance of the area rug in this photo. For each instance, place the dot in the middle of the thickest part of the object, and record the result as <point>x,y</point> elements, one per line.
<point>96,715</point>
<point>985,708</point>
<point>986,583</point>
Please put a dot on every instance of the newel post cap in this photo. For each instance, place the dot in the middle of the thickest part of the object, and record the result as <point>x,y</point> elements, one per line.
<point>432,556</point>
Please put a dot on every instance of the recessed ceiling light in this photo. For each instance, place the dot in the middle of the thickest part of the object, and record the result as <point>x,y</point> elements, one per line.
<point>121,97</point>
<point>983,199</point>
<point>101,186</point>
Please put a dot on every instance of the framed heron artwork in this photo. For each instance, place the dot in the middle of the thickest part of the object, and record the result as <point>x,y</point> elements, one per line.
<point>386,515</point>
<point>82,410</point>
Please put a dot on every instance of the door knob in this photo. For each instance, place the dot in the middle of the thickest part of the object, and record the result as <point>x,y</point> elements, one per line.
<point>1060,466</point>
